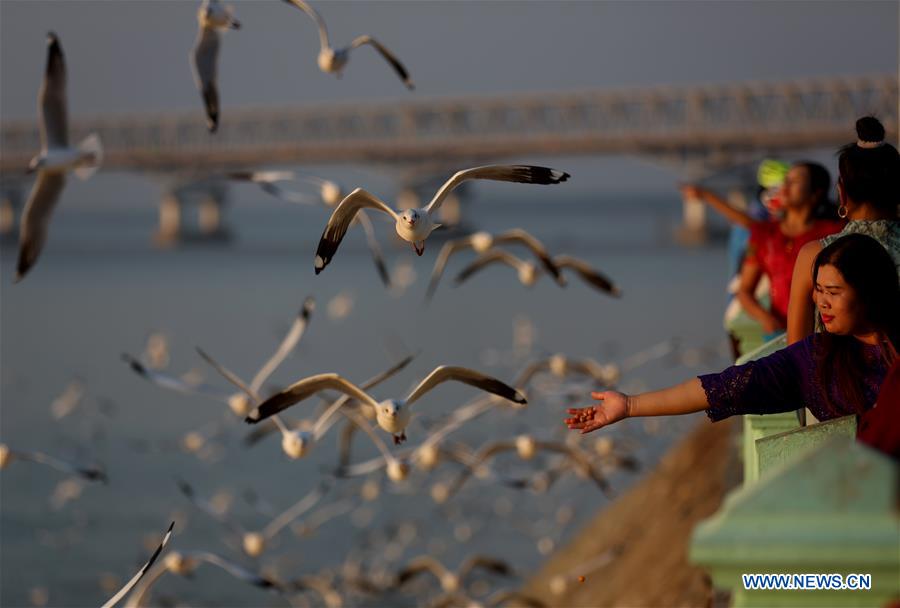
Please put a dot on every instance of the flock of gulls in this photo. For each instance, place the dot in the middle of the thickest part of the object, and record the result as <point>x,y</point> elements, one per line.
<point>304,412</point>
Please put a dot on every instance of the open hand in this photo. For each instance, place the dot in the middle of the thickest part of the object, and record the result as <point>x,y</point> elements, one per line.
<point>613,407</point>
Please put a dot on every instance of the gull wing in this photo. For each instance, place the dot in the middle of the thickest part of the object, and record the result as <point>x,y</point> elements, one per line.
<point>525,174</point>
<point>517,235</point>
<point>486,259</point>
<point>54,122</point>
<point>388,56</point>
<point>449,248</point>
<point>288,344</point>
<point>173,383</point>
<point>137,577</point>
<point>466,376</point>
<point>320,23</point>
<point>306,387</point>
<point>36,218</point>
<point>374,248</point>
<point>591,276</point>
<point>340,220</point>
<point>204,60</point>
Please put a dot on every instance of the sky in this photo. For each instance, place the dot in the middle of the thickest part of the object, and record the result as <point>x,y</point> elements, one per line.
<point>132,56</point>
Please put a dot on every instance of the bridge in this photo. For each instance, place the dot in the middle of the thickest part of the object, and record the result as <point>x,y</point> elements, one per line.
<point>695,128</point>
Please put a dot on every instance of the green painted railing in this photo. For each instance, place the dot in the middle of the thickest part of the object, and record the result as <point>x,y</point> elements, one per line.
<point>759,427</point>
<point>831,511</point>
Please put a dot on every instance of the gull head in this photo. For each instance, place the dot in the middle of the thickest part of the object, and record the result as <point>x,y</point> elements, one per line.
<point>392,416</point>
<point>528,274</point>
<point>427,456</point>
<point>296,444</point>
<point>525,447</point>
<point>239,404</point>
<point>558,365</point>
<point>5,455</point>
<point>329,61</point>
<point>36,163</point>
<point>449,582</point>
<point>370,490</point>
<point>603,446</point>
<point>410,217</point>
<point>482,241</point>
<point>254,543</point>
<point>440,493</point>
<point>176,563</point>
<point>331,193</point>
<point>397,470</point>
<point>193,441</point>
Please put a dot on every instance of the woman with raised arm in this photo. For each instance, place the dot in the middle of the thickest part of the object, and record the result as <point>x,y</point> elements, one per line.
<point>834,373</point>
<point>774,243</point>
<point>868,191</point>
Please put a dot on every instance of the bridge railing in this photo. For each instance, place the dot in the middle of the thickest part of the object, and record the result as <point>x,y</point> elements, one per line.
<point>637,120</point>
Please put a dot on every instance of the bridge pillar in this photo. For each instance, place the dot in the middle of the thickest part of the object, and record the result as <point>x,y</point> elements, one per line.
<point>170,211</point>
<point>173,220</point>
<point>693,222</point>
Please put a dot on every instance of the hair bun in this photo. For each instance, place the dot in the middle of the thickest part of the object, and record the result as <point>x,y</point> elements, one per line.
<point>870,129</point>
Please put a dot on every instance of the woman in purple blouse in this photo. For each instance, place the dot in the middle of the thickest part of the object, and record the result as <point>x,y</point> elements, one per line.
<point>834,373</point>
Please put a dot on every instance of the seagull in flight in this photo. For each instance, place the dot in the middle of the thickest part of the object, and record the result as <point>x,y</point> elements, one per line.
<point>483,241</point>
<point>414,225</point>
<point>90,473</point>
<point>333,61</point>
<point>392,415</point>
<point>55,159</point>
<point>212,18</point>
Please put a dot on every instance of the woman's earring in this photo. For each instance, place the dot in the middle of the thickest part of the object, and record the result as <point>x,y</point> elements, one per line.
<point>842,212</point>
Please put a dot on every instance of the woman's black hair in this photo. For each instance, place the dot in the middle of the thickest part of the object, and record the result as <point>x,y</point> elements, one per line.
<point>868,268</point>
<point>870,173</point>
<point>820,186</point>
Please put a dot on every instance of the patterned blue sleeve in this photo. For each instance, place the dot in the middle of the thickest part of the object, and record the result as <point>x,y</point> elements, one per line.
<point>776,383</point>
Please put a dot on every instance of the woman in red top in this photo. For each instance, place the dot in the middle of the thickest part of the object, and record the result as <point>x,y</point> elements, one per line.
<point>774,244</point>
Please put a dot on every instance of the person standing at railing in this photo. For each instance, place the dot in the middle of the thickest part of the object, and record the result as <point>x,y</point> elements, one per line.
<point>869,192</point>
<point>773,245</point>
<point>834,373</point>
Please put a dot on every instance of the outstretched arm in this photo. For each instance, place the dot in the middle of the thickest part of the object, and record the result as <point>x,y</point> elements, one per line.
<point>733,215</point>
<point>684,398</point>
<point>800,309</point>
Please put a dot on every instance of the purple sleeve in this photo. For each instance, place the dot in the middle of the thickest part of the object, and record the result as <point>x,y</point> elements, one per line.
<point>772,384</point>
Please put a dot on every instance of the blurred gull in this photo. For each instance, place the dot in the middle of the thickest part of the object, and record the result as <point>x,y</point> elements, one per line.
<point>90,473</point>
<point>140,573</point>
<point>330,194</point>
<point>212,18</point>
<point>481,242</point>
<point>450,582</point>
<point>333,61</point>
<point>414,225</point>
<point>253,543</point>
<point>54,161</point>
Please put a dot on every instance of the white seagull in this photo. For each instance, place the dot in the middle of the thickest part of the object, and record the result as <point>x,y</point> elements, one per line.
<point>481,242</point>
<point>55,159</point>
<point>212,18</point>
<point>414,225</point>
<point>393,415</point>
<point>333,61</point>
